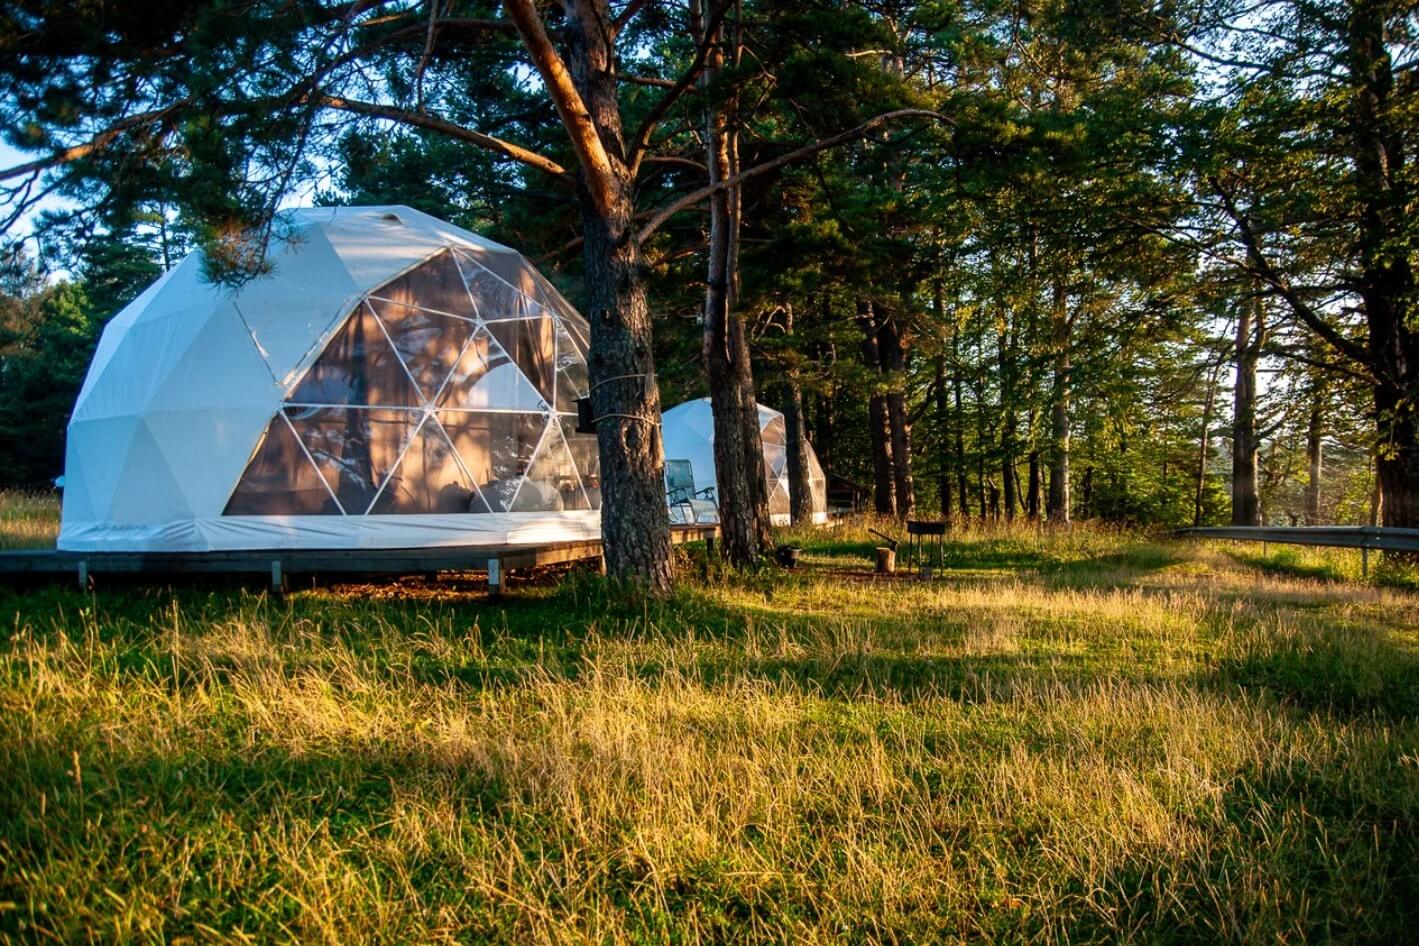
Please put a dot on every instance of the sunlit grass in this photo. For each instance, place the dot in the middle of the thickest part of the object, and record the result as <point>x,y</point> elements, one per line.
<point>28,520</point>
<point>1073,736</point>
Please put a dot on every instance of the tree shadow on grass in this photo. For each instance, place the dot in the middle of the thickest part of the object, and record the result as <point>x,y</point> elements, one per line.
<point>1005,556</point>
<point>1348,670</point>
<point>1301,852</point>
<point>967,679</point>
<point>1115,570</point>
<point>1288,563</point>
<point>99,843</point>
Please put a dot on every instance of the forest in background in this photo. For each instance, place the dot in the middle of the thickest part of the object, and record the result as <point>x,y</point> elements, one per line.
<point>1148,263</point>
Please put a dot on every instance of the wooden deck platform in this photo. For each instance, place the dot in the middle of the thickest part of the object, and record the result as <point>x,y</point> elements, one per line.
<point>278,565</point>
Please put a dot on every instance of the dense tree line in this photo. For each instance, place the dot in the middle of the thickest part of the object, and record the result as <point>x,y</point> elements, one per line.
<point>1144,262</point>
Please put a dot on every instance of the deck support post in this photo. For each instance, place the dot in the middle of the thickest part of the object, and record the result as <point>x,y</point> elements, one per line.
<point>495,578</point>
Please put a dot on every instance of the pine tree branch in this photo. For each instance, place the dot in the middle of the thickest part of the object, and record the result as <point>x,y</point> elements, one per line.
<point>659,217</point>
<point>95,144</point>
<point>581,128</point>
<point>1263,268</point>
<point>433,123</point>
<point>631,10</point>
<point>641,139</point>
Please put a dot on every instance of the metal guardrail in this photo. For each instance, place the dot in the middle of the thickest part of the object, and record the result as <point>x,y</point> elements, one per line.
<point>1363,538</point>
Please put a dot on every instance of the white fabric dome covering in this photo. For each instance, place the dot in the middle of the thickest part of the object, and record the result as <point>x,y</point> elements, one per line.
<point>688,431</point>
<point>392,382</point>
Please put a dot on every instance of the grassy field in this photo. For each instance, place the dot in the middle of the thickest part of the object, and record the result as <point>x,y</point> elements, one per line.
<point>28,520</point>
<point>1066,737</point>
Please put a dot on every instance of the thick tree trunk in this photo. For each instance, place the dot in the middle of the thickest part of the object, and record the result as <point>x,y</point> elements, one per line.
<point>1058,506</point>
<point>635,526</point>
<point>879,425</point>
<point>1246,495</point>
<point>893,360</point>
<point>1387,284</point>
<point>742,492</point>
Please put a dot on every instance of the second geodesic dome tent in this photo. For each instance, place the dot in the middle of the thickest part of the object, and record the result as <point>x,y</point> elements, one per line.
<point>392,381</point>
<point>688,431</point>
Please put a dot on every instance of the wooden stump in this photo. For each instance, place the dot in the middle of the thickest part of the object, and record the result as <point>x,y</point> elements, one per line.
<point>886,560</point>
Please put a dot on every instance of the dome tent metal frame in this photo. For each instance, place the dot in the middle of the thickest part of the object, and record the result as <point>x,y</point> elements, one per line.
<point>688,431</point>
<point>392,382</point>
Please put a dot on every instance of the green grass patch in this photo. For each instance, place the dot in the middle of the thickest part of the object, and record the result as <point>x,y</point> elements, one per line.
<point>1065,736</point>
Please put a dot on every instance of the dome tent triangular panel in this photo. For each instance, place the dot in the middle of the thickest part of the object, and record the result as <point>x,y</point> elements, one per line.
<point>688,431</point>
<point>359,398</point>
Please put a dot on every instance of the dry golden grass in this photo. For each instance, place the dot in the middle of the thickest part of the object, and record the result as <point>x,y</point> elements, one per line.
<point>1077,737</point>
<point>28,520</point>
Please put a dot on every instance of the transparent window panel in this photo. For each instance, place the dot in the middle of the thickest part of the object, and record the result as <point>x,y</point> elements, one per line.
<point>774,433</point>
<point>493,296</point>
<point>486,378</point>
<point>496,449</point>
<point>354,448</point>
<point>580,331</point>
<point>778,498</point>
<point>429,479</point>
<point>587,457</point>
<point>552,483</point>
<point>512,268</point>
<point>532,345</point>
<point>279,480</point>
<point>435,284</point>
<point>817,482</point>
<point>547,294</point>
<point>572,380</point>
<point>359,366</point>
<point>429,344</point>
<point>775,459</point>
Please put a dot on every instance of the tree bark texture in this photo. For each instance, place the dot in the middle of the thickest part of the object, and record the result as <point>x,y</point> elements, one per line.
<point>958,383</point>
<point>1008,423</point>
<point>1246,495</point>
<point>944,485</point>
<point>1057,508</point>
<point>894,367</point>
<point>1204,446</point>
<point>800,491</point>
<point>879,425</point>
<point>625,398</point>
<point>738,447</point>
<point>1386,282</point>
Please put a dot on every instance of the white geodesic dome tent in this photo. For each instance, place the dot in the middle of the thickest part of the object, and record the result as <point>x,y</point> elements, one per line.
<point>393,381</point>
<point>688,431</point>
